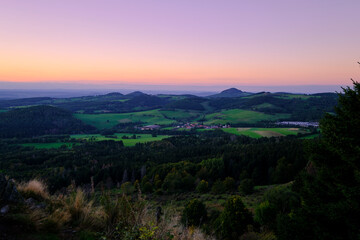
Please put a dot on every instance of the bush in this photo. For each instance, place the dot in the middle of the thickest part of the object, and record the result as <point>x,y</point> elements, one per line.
<point>229,184</point>
<point>265,214</point>
<point>246,186</point>
<point>218,187</point>
<point>127,188</point>
<point>202,187</point>
<point>194,213</point>
<point>277,201</point>
<point>147,187</point>
<point>233,221</point>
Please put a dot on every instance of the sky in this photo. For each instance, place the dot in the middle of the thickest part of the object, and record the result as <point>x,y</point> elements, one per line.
<point>203,43</point>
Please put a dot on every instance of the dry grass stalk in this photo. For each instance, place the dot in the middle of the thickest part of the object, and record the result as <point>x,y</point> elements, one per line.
<point>35,189</point>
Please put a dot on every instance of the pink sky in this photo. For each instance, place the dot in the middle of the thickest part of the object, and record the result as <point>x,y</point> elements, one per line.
<point>188,42</point>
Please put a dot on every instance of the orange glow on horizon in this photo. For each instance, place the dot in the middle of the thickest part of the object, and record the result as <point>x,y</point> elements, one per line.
<point>179,43</point>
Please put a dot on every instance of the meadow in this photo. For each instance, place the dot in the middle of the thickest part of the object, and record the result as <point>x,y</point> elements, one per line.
<point>311,136</point>
<point>49,145</point>
<point>156,116</point>
<point>264,132</point>
<point>241,116</point>
<point>129,142</point>
<point>140,138</point>
<point>109,120</point>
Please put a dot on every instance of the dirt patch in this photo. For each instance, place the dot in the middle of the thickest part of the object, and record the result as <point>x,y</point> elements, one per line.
<point>269,134</point>
<point>125,120</point>
<point>293,129</point>
<point>242,129</point>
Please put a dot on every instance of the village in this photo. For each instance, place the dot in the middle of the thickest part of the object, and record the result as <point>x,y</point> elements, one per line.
<point>186,126</point>
<point>301,124</point>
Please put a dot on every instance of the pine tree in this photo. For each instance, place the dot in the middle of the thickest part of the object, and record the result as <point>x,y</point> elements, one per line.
<point>330,188</point>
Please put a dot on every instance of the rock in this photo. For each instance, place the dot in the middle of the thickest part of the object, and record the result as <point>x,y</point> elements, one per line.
<point>30,201</point>
<point>4,210</point>
<point>40,206</point>
<point>3,183</point>
<point>11,194</point>
<point>8,191</point>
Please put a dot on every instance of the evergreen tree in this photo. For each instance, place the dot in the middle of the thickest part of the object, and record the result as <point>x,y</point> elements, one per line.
<point>330,187</point>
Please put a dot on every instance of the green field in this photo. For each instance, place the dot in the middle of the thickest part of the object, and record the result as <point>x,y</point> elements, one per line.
<point>160,117</point>
<point>109,120</point>
<point>248,133</point>
<point>241,116</point>
<point>48,145</point>
<point>141,138</point>
<point>264,132</point>
<point>181,114</point>
<point>311,136</point>
<point>292,96</point>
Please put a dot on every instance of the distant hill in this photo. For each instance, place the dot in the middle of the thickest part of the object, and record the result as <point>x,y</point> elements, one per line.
<point>135,94</point>
<point>114,94</point>
<point>39,120</point>
<point>144,100</point>
<point>230,93</point>
<point>191,103</point>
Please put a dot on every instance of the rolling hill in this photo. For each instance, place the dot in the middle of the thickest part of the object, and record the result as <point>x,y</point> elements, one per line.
<point>229,106</point>
<point>39,120</point>
<point>230,93</point>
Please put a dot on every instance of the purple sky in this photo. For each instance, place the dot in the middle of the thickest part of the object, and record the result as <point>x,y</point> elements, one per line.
<point>203,43</point>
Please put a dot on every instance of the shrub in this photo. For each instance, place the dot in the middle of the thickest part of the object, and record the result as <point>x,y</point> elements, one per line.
<point>147,187</point>
<point>246,186</point>
<point>202,187</point>
<point>233,221</point>
<point>258,236</point>
<point>265,214</point>
<point>178,180</point>
<point>157,182</point>
<point>277,201</point>
<point>194,213</point>
<point>218,187</point>
<point>127,188</point>
<point>229,184</point>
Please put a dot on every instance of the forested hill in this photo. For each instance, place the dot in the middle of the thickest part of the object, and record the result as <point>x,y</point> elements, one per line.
<point>39,120</point>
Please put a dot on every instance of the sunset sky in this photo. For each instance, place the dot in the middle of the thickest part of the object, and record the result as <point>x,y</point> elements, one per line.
<point>187,42</point>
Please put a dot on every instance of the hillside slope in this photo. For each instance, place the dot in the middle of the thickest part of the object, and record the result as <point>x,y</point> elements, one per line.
<point>39,120</point>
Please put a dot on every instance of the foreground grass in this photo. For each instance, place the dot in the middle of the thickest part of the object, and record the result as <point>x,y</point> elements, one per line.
<point>81,215</point>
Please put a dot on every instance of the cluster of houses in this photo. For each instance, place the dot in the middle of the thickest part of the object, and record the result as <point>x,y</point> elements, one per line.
<point>197,125</point>
<point>149,127</point>
<point>185,126</point>
<point>301,124</point>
